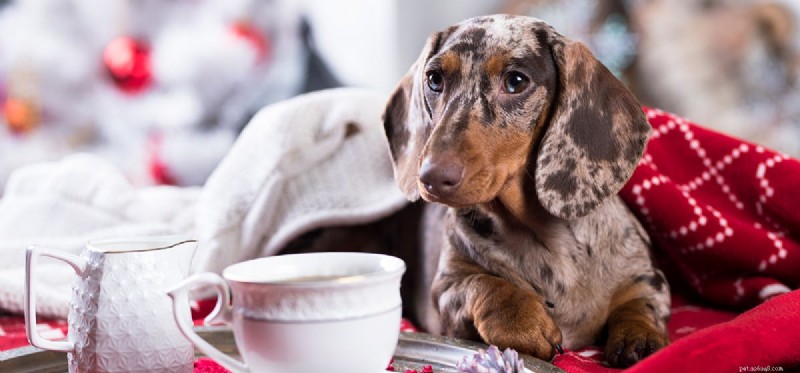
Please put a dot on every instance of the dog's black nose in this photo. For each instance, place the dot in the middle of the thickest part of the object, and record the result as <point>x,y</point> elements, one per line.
<point>441,176</point>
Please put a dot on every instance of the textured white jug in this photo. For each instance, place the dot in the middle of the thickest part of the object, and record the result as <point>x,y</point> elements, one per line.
<point>120,318</point>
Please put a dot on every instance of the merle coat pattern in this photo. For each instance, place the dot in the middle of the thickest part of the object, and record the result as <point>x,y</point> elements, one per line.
<point>522,139</point>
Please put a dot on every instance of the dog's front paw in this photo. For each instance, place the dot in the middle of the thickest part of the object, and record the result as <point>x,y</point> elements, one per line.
<point>520,322</point>
<point>630,342</point>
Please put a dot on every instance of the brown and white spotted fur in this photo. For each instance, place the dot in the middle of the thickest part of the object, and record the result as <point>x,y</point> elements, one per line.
<point>525,138</point>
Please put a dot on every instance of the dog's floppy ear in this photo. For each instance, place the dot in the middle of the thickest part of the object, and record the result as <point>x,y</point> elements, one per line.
<point>596,135</point>
<point>407,122</point>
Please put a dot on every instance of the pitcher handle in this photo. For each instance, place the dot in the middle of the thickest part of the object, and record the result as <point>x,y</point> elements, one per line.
<point>29,304</point>
<point>222,311</point>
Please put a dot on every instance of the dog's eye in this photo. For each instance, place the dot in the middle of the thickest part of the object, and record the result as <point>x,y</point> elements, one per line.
<point>435,81</point>
<point>515,82</point>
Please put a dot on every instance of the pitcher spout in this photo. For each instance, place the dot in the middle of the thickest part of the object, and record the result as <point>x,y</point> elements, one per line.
<point>183,249</point>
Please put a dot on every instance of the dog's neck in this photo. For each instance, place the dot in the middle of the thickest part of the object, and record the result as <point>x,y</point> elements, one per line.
<point>514,204</point>
<point>518,209</point>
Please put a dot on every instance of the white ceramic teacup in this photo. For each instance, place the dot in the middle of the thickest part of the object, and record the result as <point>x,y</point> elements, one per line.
<point>303,313</point>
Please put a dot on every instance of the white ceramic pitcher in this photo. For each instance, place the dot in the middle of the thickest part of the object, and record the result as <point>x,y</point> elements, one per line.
<point>120,318</point>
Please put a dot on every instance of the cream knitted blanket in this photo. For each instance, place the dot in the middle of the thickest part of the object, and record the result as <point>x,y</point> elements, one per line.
<point>315,160</point>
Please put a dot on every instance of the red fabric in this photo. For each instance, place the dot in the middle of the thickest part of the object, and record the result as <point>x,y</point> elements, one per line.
<point>12,330</point>
<point>724,222</point>
<point>765,336</point>
<point>722,212</point>
<point>206,365</point>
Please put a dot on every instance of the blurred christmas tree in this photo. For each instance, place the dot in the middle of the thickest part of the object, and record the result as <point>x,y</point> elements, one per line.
<point>159,87</point>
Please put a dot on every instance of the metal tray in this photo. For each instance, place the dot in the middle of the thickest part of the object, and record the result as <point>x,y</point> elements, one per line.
<point>414,351</point>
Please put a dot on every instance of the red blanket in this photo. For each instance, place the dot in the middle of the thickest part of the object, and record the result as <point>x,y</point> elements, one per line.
<point>725,225</point>
<point>723,213</point>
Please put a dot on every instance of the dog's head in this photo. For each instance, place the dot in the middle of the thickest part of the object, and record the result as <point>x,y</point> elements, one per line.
<point>498,98</point>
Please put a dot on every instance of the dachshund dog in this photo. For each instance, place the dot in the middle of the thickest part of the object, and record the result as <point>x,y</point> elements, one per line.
<point>523,139</point>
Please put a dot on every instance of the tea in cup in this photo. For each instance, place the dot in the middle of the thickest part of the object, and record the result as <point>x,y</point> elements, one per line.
<point>319,312</point>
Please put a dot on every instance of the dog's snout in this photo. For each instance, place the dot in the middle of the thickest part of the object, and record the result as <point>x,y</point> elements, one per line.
<point>441,176</point>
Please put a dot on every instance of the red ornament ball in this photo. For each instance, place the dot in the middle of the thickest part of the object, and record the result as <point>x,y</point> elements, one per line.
<point>127,61</point>
<point>252,35</point>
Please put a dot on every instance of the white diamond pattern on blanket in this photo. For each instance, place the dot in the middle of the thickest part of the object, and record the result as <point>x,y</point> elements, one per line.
<point>718,208</point>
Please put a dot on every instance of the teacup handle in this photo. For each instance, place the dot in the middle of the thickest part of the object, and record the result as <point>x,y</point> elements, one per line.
<point>222,311</point>
<point>29,307</point>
